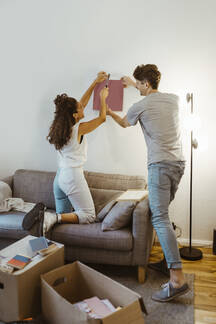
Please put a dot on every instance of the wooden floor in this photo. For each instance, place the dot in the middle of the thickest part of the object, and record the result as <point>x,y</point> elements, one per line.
<point>204,283</point>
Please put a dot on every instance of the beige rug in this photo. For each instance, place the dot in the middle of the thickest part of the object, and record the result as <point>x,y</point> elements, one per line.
<point>178,311</point>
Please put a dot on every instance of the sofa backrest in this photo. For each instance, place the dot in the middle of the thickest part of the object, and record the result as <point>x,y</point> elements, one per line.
<point>114,181</point>
<point>35,186</point>
<point>105,187</point>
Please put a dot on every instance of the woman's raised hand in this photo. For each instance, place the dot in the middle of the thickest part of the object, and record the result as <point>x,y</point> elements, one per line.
<point>104,93</point>
<point>101,76</point>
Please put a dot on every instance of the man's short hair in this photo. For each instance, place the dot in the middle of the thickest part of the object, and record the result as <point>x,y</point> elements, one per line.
<point>148,72</point>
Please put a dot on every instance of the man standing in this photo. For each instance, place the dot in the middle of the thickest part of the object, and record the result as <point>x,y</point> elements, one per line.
<point>157,114</point>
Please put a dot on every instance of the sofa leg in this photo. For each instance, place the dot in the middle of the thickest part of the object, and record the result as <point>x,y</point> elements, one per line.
<point>141,274</point>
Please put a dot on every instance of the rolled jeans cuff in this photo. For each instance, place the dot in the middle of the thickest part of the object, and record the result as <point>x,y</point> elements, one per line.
<point>85,218</point>
<point>174,265</point>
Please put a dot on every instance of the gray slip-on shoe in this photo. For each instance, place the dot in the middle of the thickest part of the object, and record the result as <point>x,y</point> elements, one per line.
<point>168,292</point>
<point>32,216</point>
<point>37,228</point>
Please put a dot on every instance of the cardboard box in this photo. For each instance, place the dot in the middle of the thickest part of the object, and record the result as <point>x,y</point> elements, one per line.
<point>20,295</point>
<point>75,282</point>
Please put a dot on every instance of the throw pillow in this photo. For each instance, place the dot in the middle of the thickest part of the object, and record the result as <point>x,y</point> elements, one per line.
<point>102,196</point>
<point>119,216</point>
<point>104,211</point>
<point>5,191</point>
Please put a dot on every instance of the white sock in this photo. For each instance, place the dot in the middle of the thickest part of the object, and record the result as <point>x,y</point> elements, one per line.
<point>50,219</point>
<point>59,218</point>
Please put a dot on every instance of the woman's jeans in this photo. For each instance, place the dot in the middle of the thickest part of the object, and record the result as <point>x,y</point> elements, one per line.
<point>163,181</point>
<point>72,193</point>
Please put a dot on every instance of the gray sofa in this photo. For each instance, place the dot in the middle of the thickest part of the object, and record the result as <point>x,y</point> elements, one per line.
<point>87,243</point>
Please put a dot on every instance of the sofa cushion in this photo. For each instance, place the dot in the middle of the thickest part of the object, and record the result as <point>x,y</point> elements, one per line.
<point>119,216</point>
<point>11,225</point>
<point>102,196</point>
<point>91,236</point>
<point>34,186</point>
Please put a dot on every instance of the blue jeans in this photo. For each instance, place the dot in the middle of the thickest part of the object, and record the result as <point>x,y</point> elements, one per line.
<point>163,181</point>
<point>71,192</point>
<point>62,202</point>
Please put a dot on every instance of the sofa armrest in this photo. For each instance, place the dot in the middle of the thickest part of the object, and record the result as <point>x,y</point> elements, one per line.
<point>142,232</point>
<point>9,181</point>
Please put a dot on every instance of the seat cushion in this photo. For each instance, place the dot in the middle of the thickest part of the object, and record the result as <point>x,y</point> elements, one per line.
<point>91,236</point>
<point>11,225</point>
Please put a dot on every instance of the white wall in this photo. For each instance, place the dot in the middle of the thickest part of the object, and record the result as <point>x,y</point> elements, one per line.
<point>49,47</point>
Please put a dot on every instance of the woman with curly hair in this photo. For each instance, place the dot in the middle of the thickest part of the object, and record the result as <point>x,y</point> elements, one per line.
<point>67,134</point>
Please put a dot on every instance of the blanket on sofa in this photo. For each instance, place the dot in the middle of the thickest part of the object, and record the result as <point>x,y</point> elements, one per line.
<point>17,204</point>
<point>7,203</point>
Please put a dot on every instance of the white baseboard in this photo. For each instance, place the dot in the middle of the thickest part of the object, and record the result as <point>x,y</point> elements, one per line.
<point>184,241</point>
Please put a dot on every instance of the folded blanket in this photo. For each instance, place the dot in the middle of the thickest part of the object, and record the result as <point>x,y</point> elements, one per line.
<point>17,204</point>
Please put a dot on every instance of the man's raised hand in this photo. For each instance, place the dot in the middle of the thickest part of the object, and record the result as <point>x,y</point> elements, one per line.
<point>127,82</point>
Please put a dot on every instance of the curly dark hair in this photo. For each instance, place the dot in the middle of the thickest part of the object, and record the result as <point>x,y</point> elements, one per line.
<point>148,72</point>
<point>61,128</point>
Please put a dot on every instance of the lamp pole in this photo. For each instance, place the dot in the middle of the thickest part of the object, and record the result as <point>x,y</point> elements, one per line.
<point>190,253</point>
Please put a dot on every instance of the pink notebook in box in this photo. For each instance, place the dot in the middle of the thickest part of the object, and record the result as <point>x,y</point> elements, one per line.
<point>98,307</point>
<point>115,97</point>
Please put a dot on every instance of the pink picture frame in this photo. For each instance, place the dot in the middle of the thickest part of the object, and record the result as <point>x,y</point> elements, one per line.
<point>115,97</point>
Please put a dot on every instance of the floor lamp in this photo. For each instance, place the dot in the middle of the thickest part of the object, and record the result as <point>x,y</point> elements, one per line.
<point>190,253</point>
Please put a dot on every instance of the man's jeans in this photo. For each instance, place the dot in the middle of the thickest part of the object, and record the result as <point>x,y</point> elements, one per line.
<point>163,181</point>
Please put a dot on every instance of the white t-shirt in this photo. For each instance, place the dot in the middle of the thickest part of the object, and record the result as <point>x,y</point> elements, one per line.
<point>73,154</point>
<point>158,115</point>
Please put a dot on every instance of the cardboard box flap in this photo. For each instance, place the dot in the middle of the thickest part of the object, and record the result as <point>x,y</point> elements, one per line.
<point>53,303</point>
<point>66,281</point>
<point>8,284</point>
<point>142,305</point>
